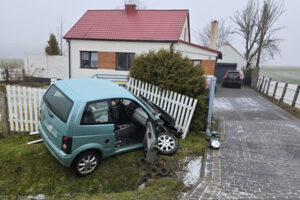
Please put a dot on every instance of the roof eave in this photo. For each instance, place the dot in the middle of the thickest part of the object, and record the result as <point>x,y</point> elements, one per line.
<point>128,40</point>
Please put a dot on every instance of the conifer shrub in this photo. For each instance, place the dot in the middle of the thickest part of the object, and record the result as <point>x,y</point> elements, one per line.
<point>171,71</point>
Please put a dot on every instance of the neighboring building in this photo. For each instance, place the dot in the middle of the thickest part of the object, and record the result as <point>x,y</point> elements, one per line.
<point>232,59</point>
<point>105,41</point>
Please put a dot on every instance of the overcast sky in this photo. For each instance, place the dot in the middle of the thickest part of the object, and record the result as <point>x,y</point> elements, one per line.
<point>26,24</point>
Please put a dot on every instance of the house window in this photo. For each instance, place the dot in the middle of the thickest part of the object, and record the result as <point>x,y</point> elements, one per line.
<point>196,62</point>
<point>88,59</point>
<point>124,60</point>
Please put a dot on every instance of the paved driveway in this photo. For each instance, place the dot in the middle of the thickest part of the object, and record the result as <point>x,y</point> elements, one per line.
<point>260,155</point>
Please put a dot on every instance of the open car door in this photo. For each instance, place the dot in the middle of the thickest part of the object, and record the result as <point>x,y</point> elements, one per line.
<point>150,143</point>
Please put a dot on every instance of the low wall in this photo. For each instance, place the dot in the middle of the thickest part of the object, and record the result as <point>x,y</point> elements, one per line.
<point>46,66</point>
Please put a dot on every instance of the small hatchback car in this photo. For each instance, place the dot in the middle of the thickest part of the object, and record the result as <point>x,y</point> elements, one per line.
<point>232,78</point>
<point>86,120</point>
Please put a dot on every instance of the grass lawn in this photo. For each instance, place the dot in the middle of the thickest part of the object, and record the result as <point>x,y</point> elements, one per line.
<point>31,170</point>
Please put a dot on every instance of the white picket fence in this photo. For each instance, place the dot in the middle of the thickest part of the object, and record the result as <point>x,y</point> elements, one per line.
<point>23,107</point>
<point>180,107</point>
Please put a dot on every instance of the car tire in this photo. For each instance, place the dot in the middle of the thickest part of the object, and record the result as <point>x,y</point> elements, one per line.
<point>167,143</point>
<point>86,163</point>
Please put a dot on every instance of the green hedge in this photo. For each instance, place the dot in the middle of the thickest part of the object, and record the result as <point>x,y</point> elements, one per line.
<point>170,70</point>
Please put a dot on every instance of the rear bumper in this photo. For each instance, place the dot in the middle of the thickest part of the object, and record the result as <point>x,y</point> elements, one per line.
<point>64,159</point>
<point>232,82</point>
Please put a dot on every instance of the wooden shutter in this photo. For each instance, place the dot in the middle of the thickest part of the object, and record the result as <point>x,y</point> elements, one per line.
<point>106,60</point>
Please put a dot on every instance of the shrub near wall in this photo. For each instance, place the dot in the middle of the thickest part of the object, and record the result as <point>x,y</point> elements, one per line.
<point>170,70</point>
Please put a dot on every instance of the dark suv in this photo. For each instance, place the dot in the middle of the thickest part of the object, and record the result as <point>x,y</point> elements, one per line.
<point>232,78</point>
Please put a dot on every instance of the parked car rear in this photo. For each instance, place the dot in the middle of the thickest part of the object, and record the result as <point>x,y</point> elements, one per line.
<point>233,79</point>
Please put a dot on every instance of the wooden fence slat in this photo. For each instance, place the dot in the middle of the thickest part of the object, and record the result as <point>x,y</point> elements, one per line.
<point>30,109</point>
<point>25,104</point>
<point>20,114</point>
<point>9,102</point>
<point>184,109</point>
<point>15,103</point>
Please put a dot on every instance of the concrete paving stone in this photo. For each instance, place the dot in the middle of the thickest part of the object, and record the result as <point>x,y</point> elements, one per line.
<point>260,155</point>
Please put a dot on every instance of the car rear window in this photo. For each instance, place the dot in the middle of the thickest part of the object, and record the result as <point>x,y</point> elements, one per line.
<point>233,74</point>
<point>58,103</point>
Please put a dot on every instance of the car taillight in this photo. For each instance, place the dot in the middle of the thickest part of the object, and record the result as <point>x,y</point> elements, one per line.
<point>66,144</point>
<point>226,75</point>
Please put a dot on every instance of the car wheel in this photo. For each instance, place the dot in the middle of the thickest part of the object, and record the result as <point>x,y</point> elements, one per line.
<point>86,163</point>
<point>167,143</point>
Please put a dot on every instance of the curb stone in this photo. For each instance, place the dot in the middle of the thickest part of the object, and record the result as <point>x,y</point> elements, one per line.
<point>206,172</point>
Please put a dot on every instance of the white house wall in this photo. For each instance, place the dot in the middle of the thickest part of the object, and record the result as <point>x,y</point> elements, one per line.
<point>185,29</point>
<point>194,53</point>
<point>128,47</point>
<point>231,56</point>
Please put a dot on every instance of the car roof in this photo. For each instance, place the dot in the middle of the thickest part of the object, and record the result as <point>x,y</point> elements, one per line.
<point>90,89</point>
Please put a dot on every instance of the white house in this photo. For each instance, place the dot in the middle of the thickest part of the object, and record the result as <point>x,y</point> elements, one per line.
<point>105,41</point>
<point>232,59</point>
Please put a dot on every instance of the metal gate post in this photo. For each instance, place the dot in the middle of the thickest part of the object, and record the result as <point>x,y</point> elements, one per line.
<point>212,89</point>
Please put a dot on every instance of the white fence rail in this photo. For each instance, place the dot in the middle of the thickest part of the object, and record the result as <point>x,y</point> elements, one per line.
<point>180,107</point>
<point>283,92</point>
<point>23,107</point>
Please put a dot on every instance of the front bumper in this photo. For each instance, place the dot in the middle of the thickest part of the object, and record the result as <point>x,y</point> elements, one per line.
<point>64,159</point>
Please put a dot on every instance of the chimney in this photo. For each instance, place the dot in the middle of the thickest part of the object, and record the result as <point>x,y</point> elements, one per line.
<point>213,34</point>
<point>130,8</point>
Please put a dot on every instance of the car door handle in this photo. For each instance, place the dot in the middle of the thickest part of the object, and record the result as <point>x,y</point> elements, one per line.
<point>50,115</point>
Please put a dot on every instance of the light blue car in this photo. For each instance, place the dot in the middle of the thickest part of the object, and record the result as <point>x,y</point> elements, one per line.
<point>86,120</point>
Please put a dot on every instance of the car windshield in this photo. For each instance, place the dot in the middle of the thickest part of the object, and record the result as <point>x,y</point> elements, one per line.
<point>148,105</point>
<point>58,103</point>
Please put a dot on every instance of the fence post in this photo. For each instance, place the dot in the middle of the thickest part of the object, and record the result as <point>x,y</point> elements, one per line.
<point>296,96</point>
<point>265,86</point>
<point>4,111</point>
<point>283,93</point>
<point>275,89</point>
<point>268,88</point>
<point>261,85</point>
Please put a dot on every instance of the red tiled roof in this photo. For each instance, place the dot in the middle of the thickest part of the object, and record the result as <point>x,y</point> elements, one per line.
<point>152,25</point>
<point>201,47</point>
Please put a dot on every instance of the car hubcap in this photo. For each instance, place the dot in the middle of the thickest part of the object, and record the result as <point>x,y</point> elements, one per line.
<point>166,143</point>
<point>87,164</point>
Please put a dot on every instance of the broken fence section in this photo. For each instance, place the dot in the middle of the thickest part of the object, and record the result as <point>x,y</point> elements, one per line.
<point>180,107</point>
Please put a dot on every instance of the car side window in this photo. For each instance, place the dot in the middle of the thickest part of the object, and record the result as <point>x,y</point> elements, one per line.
<point>96,113</point>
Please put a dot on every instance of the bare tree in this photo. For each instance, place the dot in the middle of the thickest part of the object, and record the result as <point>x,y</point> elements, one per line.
<point>60,30</point>
<point>224,34</point>
<point>256,26</point>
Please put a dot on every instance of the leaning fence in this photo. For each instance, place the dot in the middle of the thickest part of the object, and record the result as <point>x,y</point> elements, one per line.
<point>180,107</point>
<point>282,92</point>
<point>23,107</point>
